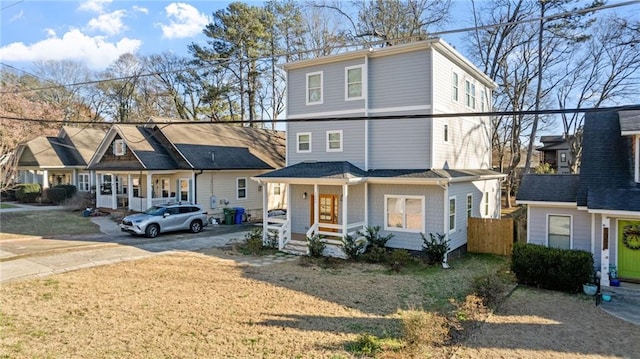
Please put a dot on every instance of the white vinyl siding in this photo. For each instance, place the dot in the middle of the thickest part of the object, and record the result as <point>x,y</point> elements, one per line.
<point>404,213</point>
<point>314,88</point>
<point>303,142</point>
<point>354,84</point>
<point>334,141</point>
<point>452,214</point>
<point>241,188</point>
<point>83,182</point>
<point>559,231</point>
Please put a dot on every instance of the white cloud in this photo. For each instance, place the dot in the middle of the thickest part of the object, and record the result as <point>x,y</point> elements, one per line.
<point>140,9</point>
<point>50,32</point>
<point>110,24</point>
<point>74,45</point>
<point>185,21</point>
<point>94,5</point>
<point>18,16</point>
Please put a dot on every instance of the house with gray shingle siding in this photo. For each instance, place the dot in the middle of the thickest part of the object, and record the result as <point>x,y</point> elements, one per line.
<point>366,147</point>
<point>599,209</point>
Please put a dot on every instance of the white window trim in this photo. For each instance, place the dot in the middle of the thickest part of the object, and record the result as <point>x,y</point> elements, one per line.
<point>455,88</point>
<point>403,198</point>
<point>470,94</point>
<point>486,208</point>
<point>298,150</point>
<point>346,83</point>
<point>86,176</point>
<point>546,232</point>
<point>469,211</point>
<point>455,210</point>
<point>341,141</point>
<point>446,132</point>
<point>321,88</point>
<point>278,187</point>
<point>483,103</point>
<point>238,188</point>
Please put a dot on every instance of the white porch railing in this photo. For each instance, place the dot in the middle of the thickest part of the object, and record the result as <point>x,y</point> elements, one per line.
<point>281,228</point>
<point>334,237</point>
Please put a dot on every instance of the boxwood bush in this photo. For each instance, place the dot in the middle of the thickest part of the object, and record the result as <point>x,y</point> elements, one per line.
<point>69,189</point>
<point>28,192</point>
<point>56,195</point>
<point>564,270</point>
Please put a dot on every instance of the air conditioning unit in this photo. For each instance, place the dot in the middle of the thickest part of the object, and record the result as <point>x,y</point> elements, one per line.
<point>119,148</point>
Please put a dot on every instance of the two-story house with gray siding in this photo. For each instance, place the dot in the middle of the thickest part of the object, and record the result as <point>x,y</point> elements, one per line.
<point>371,142</point>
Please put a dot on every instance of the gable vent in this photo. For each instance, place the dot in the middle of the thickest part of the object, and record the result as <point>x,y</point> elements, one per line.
<point>119,148</point>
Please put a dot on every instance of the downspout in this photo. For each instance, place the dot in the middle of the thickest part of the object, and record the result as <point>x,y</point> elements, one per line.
<point>195,186</point>
<point>445,216</point>
<point>366,111</point>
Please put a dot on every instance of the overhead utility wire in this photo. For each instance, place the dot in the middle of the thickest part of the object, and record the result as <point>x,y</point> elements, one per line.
<point>434,34</point>
<point>358,118</point>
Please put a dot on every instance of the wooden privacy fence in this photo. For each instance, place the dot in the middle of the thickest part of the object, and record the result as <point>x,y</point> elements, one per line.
<point>486,235</point>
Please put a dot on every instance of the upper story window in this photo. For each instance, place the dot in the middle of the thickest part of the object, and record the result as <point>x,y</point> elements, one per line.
<point>354,84</point>
<point>119,148</point>
<point>559,231</point>
<point>455,87</point>
<point>314,88</point>
<point>304,142</point>
<point>446,133</point>
<point>404,213</point>
<point>483,101</point>
<point>470,94</point>
<point>334,141</point>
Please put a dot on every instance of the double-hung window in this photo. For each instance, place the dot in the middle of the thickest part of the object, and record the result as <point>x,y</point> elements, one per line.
<point>241,187</point>
<point>304,142</point>
<point>559,231</point>
<point>469,205</point>
<point>404,213</point>
<point>314,88</point>
<point>334,141</point>
<point>486,204</point>
<point>470,94</point>
<point>354,84</point>
<point>482,100</point>
<point>452,214</point>
<point>83,182</point>
<point>455,87</point>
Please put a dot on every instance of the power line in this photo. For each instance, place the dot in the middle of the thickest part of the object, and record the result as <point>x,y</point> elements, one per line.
<point>222,61</point>
<point>355,118</point>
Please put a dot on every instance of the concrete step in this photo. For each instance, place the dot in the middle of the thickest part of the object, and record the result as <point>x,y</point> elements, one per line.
<point>626,291</point>
<point>296,247</point>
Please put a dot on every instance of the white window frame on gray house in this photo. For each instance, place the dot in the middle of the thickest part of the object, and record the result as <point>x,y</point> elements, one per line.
<point>469,205</point>
<point>314,95</point>
<point>452,214</point>
<point>402,202</point>
<point>483,93</point>
<point>354,84</point>
<point>332,142</point>
<point>470,94</point>
<point>241,190</point>
<point>549,230</point>
<point>299,143</point>
<point>84,184</point>
<point>455,95</point>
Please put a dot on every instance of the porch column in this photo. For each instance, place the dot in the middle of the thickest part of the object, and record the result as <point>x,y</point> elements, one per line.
<point>345,205</point>
<point>366,204</point>
<point>45,179</point>
<point>129,190</point>
<point>265,211</point>
<point>74,177</point>
<point>114,191</point>
<point>149,190</point>
<point>316,201</point>
<point>604,257</point>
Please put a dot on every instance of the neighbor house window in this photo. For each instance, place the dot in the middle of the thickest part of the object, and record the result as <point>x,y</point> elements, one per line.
<point>482,100</point>
<point>241,187</point>
<point>404,213</point>
<point>276,189</point>
<point>354,85</point>
<point>314,88</point>
<point>563,157</point>
<point>559,231</point>
<point>455,87</point>
<point>83,182</point>
<point>469,205</point>
<point>452,214</point>
<point>486,204</point>
<point>446,132</point>
<point>105,184</point>
<point>334,141</point>
<point>470,94</point>
<point>304,142</point>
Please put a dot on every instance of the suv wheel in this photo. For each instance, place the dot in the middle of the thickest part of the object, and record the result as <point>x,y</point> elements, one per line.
<point>152,231</point>
<point>195,226</point>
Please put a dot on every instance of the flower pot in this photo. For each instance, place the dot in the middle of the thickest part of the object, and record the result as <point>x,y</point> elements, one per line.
<point>589,289</point>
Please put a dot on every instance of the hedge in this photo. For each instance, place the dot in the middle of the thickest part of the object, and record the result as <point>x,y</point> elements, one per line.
<point>564,270</point>
<point>28,192</point>
<point>56,195</point>
<point>68,188</point>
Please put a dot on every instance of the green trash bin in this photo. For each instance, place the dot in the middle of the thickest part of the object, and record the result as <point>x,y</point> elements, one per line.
<point>229,214</point>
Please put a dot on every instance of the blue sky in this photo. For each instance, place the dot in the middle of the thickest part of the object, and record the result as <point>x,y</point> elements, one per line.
<point>97,32</point>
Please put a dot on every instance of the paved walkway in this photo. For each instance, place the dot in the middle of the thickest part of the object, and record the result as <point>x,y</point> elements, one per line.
<point>38,257</point>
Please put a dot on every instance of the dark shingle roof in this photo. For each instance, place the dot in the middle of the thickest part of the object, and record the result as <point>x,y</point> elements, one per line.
<point>68,155</point>
<point>429,173</point>
<point>224,157</point>
<point>548,188</point>
<point>328,170</point>
<point>626,199</point>
<point>630,120</point>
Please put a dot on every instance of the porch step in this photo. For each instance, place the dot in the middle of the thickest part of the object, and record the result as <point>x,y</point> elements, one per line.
<point>296,247</point>
<point>627,292</point>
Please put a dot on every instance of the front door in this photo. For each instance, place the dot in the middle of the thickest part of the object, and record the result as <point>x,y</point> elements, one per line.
<point>328,210</point>
<point>629,249</point>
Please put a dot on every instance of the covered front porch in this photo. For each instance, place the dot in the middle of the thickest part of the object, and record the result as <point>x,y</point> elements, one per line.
<point>137,191</point>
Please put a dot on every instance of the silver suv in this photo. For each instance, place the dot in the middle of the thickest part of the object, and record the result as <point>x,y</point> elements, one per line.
<point>165,218</point>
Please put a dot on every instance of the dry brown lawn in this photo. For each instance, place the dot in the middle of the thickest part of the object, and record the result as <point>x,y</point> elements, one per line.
<point>207,306</point>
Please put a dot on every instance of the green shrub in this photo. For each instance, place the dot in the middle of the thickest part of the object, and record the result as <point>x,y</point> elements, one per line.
<point>316,246</point>
<point>374,238</point>
<point>28,192</point>
<point>375,254</point>
<point>435,247</point>
<point>366,344</point>
<point>488,288</point>
<point>253,241</point>
<point>353,246</point>
<point>70,190</point>
<point>55,195</point>
<point>551,268</point>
